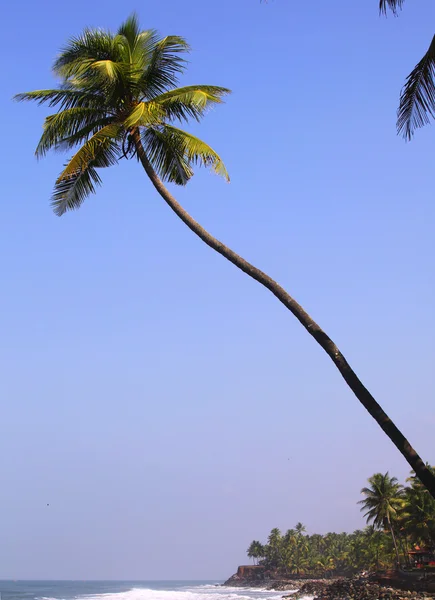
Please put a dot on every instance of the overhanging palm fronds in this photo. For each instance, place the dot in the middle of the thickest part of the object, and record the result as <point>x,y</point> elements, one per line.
<point>393,5</point>
<point>417,99</point>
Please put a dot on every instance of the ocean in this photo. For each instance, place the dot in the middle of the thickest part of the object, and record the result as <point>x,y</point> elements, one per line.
<point>124,590</point>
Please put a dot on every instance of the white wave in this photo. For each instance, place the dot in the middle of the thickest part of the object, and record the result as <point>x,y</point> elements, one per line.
<point>201,592</point>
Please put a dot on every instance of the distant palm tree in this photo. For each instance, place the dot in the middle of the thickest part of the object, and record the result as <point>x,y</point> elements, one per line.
<point>417,98</point>
<point>117,99</point>
<point>418,516</point>
<point>255,551</point>
<point>382,503</point>
<point>299,536</point>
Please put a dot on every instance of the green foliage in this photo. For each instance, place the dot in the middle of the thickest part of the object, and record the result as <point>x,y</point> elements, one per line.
<point>382,503</point>
<point>111,85</point>
<point>256,551</point>
<point>409,512</point>
<point>418,514</point>
<point>323,555</point>
<point>383,499</point>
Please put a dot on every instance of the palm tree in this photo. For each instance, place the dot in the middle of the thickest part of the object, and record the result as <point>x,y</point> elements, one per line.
<point>299,536</point>
<point>274,549</point>
<point>117,99</point>
<point>255,551</point>
<point>418,515</point>
<point>383,500</point>
<point>417,98</point>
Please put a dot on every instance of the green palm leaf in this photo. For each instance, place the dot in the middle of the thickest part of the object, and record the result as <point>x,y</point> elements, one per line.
<point>165,66</point>
<point>83,134</point>
<point>65,98</point>
<point>130,30</point>
<point>190,101</point>
<point>80,52</point>
<point>101,150</point>
<point>198,152</point>
<point>166,155</point>
<point>417,99</point>
<point>69,194</point>
<point>173,151</point>
<point>66,125</point>
<point>79,177</point>
<point>144,114</point>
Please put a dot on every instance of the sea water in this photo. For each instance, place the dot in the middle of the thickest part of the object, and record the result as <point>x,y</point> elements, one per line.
<point>124,590</point>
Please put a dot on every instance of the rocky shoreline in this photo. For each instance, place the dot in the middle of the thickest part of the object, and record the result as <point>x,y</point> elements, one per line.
<point>344,588</point>
<point>362,588</point>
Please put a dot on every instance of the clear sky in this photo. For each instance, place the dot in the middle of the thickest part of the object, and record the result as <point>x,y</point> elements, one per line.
<point>167,408</point>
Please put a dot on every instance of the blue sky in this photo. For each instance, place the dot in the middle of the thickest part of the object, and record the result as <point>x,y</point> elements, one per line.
<point>166,407</point>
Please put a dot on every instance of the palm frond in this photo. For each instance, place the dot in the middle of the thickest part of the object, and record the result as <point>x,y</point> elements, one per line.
<point>168,158</point>
<point>92,45</point>
<point>101,150</point>
<point>417,98</point>
<point>164,66</point>
<point>79,177</point>
<point>190,101</point>
<point>109,69</point>
<point>198,152</point>
<point>113,77</point>
<point>130,30</point>
<point>393,5</point>
<point>64,98</point>
<point>96,61</point>
<point>66,124</point>
<point>83,135</point>
<point>70,193</point>
<point>145,114</point>
<point>173,152</point>
<point>145,45</point>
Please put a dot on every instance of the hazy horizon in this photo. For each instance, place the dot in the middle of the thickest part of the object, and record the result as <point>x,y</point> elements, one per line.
<point>160,409</point>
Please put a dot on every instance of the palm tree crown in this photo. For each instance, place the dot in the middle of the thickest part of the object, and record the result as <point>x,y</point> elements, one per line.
<point>110,85</point>
<point>382,499</point>
<point>382,503</point>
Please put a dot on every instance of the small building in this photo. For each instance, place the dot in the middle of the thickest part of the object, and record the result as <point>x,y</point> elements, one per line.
<point>419,558</point>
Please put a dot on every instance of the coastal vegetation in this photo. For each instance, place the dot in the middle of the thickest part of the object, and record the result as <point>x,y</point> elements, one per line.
<point>399,519</point>
<point>117,99</point>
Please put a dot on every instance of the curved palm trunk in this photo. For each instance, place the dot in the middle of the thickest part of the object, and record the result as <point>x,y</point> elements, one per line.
<point>348,374</point>
<point>396,550</point>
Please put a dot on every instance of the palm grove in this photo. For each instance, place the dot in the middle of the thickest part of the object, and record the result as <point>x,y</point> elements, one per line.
<point>399,518</point>
<point>118,98</point>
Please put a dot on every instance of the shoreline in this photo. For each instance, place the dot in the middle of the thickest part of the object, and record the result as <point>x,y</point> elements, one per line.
<point>277,585</point>
<point>383,586</point>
